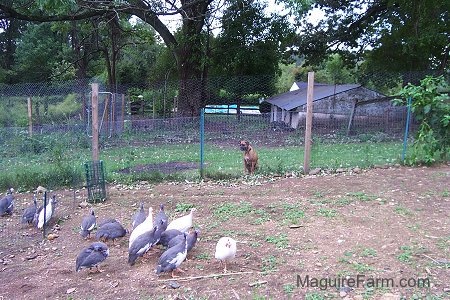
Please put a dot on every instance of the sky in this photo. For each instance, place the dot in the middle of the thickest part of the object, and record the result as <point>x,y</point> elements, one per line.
<point>173,22</point>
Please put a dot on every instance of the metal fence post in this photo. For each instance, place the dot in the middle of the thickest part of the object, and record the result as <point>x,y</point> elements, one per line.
<point>202,141</point>
<point>408,118</point>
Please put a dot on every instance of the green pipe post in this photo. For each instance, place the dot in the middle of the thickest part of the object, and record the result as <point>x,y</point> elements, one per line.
<point>408,118</point>
<point>202,141</point>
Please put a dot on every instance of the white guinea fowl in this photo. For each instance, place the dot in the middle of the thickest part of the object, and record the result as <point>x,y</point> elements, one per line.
<point>183,223</point>
<point>142,228</point>
<point>49,209</point>
<point>225,250</point>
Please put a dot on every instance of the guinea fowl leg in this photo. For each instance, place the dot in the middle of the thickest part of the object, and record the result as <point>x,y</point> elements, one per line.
<point>177,270</point>
<point>98,269</point>
<point>225,269</point>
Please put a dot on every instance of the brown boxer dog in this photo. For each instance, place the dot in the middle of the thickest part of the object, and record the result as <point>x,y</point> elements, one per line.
<point>250,157</point>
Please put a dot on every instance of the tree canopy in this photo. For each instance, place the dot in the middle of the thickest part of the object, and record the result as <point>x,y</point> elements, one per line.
<point>388,35</point>
<point>130,41</point>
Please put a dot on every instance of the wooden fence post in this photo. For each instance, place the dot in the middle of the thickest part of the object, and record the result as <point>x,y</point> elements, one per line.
<point>30,116</point>
<point>94,121</point>
<point>309,115</point>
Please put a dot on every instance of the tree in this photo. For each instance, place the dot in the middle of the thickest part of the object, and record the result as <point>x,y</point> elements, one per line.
<point>10,31</point>
<point>398,36</point>
<point>189,45</point>
<point>38,52</point>
<point>186,47</point>
<point>251,44</point>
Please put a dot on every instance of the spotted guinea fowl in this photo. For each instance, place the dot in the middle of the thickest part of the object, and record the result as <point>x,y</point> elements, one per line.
<point>92,256</point>
<point>139,216</point>
<point>172,258</point>
<point>142,228</point>
<point>106,221</point>
<point>182,223</point>
<point>168,235</point>
<point>88,224</point>
<point>7,203</point>
<point>191,239</point>
<point>225,250</point>
<point>48,211</point>
<point>161,216</point>
<point>144,242</point>
<point>110,231</point>
<point>30,212</point>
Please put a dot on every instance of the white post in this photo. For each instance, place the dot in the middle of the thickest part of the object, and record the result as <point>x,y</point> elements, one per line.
<point>94,121</point>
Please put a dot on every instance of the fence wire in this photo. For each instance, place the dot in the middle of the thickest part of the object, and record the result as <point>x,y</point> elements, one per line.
<point>46,130</point>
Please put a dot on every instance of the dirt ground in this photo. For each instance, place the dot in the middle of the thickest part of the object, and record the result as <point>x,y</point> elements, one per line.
<point>378,224</point>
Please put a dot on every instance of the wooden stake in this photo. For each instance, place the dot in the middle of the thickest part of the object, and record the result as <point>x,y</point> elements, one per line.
<point>30,116</point>
<point>123,113</point>
<point>94,121</point>
<point>352,116</point>
<point>309,115</point>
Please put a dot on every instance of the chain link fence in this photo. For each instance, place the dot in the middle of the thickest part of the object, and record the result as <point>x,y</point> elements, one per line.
<point>46,131</point>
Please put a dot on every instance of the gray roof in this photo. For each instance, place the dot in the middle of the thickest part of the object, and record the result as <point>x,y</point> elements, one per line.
<point>294,99</point>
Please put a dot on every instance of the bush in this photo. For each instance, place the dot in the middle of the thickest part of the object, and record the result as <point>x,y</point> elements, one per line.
<point>430,104</point>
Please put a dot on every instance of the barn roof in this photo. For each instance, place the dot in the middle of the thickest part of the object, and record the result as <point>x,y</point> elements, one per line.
<point>293,99</point>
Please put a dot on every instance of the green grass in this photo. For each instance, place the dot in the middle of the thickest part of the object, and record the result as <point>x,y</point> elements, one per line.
<point>406,254</point>
<point>183,207</point>
<point>402,211</point>
<point>227,210</point>
<point>327,212</point>
<point>292,213</point>
<point>281,241</point>
<point>361,196</point>
<point>58,159</point>
<point>269,264</point>
<point>368,252</point>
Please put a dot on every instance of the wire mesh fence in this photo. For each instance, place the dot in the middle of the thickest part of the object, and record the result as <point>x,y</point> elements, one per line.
<point>46,133</point>
<point>46,128</point>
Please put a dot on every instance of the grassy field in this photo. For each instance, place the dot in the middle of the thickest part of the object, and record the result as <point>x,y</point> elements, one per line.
<point>61,164</point>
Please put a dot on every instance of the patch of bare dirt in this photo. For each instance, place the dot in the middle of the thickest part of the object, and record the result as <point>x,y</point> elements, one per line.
<point>382,223</point>
<point>165,168</point>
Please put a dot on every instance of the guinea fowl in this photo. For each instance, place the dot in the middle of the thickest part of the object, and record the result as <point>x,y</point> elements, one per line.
<point>225,250</point>
<point>142,228</point>
<point>30,212</point>
<point>139,216</point>
<point>7,203</point>
<point>48,211</point>
<point>191,239</point>
<point>88,224</point>
<point>161,215</point>
<point>110,231</point>
<point>168,235</point>
<point>172,258</point>
<point>92,256</point>
<point>144,242</point>
<point>106,221</point>
<point>182,223</point>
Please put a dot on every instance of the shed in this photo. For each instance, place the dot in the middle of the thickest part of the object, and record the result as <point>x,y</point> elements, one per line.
<point>340,101</point>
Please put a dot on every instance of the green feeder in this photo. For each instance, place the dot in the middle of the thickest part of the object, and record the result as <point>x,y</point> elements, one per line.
<point>95,181</point>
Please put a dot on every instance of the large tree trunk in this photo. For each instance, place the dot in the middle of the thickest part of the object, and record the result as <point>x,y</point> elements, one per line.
<point>191,91</point>
<point>190,53</point>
